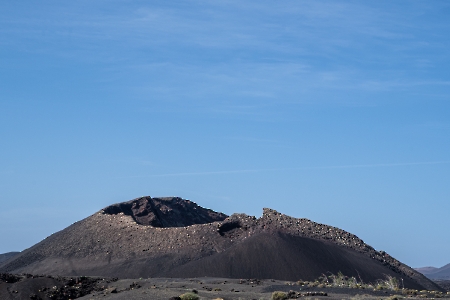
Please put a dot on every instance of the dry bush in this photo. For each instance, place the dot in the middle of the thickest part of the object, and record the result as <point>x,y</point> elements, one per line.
<point>189,296</point>
<point>279,295</point>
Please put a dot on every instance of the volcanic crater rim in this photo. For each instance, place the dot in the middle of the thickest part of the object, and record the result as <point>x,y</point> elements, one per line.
<point>165,212</point>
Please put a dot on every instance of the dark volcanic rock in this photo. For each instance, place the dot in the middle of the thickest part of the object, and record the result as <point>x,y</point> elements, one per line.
<point>43,287</point>
<point>165,212</point>
<point>171,237</point>
<point>9,278</point>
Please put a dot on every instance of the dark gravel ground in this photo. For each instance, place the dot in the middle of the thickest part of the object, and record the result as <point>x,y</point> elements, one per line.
<point>41,287</point>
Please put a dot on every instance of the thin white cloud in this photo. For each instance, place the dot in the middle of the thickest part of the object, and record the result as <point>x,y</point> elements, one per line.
<point>180,174</point>
<point>232,49</point>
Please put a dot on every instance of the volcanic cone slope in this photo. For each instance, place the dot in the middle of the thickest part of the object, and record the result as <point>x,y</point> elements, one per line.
<point>172,237</point>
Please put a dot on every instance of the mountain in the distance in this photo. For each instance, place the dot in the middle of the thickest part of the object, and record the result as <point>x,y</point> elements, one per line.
<point>172,237</point>
<point>426,270</point>
<point>5,256</point>
<point>442,273</point>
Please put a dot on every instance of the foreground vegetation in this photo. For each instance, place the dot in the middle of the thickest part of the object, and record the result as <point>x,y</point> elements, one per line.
<point>389,283</point>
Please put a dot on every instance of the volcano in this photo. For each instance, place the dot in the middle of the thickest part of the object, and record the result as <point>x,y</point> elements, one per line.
<point>173,237</point>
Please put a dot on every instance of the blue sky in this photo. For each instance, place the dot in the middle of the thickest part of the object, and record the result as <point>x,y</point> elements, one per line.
<point>336,111</point>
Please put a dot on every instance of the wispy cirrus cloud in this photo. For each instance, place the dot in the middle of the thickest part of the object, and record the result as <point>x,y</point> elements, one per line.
<point>217,54</point>
<point>242,171</point>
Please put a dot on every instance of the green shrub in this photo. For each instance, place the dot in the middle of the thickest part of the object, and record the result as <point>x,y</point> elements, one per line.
<point>279,295</point>
<point>189,296</point>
